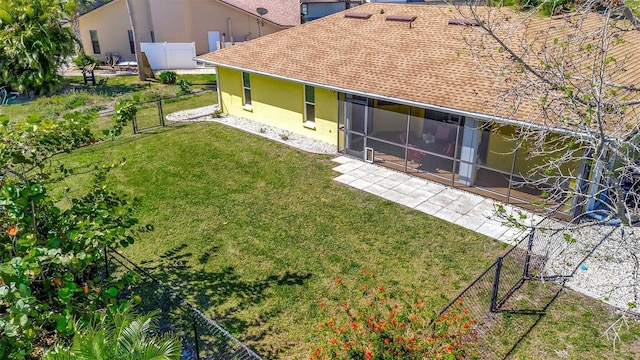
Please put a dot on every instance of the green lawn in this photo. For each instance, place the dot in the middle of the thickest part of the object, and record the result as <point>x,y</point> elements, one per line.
<point>255,233</point>
<point>634,5</point>
<point>102,97</point>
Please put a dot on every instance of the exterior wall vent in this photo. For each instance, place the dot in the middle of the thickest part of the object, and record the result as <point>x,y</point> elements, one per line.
<point>357,15</point>
<point>402,18</point>
<point>463,22</point>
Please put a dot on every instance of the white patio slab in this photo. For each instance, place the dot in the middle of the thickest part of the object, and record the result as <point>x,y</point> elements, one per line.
<point>448,215</point>
<point>360,184</point>
<point>342,159</point>
<point>369,168</point>
<point>465,203</point>
<point>416,181</point>
<point>359,173</point>
<point>470,222</point>
<point>346,179</point>
<point>373,178</point>
<point>384,172</point>
<point>445,197</point>
<point>409,201</point>
<point>459,207</point>
<point>375,189</point>
<point>492,228</point>
<point>428,208</point>
<point>421,195</point>
<point>433,188</point>
<point>392,195</point>
<point>388,182</point>
<point>348,166</point>
<point>405,188</point>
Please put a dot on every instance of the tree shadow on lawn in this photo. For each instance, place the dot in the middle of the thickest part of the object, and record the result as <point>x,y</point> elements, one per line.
<point>222,294</point>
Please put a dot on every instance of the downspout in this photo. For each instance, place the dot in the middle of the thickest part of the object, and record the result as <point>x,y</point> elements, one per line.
<point>229,30</point>
<point>218,89</point>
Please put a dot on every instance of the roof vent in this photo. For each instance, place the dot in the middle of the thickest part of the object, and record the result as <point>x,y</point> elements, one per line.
<point>402,18</point>
<point>357,15</point>
<point>464,22</point>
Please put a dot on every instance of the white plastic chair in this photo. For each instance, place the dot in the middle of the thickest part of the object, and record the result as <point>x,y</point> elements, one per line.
<point>6,96</point>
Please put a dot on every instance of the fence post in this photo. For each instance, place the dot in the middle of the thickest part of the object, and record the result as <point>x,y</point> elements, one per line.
<point>134,124</point>
<point>496,283</point>
<point>160,112</point>
<point>527,258</point>
<point>195,334</point>
<point>106,261</point>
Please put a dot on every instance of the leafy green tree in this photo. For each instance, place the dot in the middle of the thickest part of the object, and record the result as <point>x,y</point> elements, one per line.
<point>73,9</point>
<point>118,334</point>
<point>34,44</point>
<point>48,252</point>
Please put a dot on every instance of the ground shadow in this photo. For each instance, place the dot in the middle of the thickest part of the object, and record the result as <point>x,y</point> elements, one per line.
<point>221,294</point>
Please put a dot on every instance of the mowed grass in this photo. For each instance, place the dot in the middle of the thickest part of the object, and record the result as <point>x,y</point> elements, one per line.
<point>255,233</point>
<point>100,97</point>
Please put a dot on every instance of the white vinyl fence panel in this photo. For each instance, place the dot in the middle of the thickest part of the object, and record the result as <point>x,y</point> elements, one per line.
<point>170,55</point>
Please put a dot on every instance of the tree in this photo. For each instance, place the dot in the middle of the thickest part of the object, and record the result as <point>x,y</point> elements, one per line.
<point>73,8</point>
<point>118,334</point>
<point>34,44</point>
<point>132,19</point>
<point>571,78</point>
<point>48,251</point>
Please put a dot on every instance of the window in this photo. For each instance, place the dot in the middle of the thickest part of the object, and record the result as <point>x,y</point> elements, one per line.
<point>132,44</point>
<point>304,9</point>
<point>309,106</point>
<point>246,86</point>
<point>153,37</point>
<point>94,41</point>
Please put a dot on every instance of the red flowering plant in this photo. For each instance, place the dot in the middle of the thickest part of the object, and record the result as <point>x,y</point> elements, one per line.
<point>379,324</point>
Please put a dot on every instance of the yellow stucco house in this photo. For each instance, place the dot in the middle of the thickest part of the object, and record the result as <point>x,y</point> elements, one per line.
<point>386,83</point>
<point>106,27</point>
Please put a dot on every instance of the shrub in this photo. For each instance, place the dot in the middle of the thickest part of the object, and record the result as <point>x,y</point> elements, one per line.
<point>49,253</point>
<point>379,324</point>
<point>118,333</point>
<point>185,87</point>
<point>74,100</point>
<point>93,108</point>
<point>217,114</point>
<point>168,77</point>
<point>83,60</point>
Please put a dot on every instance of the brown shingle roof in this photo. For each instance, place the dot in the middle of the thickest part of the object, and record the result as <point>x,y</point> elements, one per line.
<point>422,64</point>
<point>281,12</point>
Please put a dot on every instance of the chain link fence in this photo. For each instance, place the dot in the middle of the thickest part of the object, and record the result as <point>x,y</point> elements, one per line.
<point>151,114</point>
<point>202,338</point>
<point>510,297</point>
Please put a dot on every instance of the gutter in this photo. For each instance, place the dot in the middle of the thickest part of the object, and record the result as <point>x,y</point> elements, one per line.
<point>479,116</point>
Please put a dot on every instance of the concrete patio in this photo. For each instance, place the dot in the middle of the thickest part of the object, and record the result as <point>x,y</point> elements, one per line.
<point>468,210</point>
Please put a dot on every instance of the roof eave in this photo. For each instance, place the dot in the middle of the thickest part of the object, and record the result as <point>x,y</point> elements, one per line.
<point>465,113</point>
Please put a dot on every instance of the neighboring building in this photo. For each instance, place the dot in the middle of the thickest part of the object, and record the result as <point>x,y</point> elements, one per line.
<point>396,89</point>
<point>106,27</point>
<point>315,9</point>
